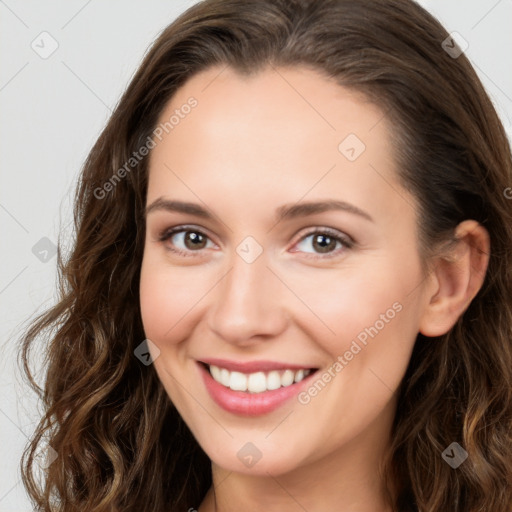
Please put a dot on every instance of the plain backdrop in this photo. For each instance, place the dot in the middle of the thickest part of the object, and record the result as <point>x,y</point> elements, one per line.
<point>63,68</point>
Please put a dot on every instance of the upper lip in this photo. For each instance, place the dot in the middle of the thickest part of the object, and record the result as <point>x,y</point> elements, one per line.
<point>253,366</point>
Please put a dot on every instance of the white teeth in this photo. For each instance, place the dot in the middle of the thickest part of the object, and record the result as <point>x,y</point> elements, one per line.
<point>273,380</point>
<point>224,377</point>
<point>215,371</point>
<point>238,381</point>
<point>257,382</point>
<point>287,378</point>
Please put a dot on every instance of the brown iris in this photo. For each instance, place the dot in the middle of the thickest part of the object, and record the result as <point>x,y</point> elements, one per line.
<point>194,240</point>
<point>324,243</point>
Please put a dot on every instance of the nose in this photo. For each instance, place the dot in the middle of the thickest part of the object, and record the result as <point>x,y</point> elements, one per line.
<point>248,304</point>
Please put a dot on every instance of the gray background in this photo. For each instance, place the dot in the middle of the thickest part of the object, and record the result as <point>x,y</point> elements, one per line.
<point>54,108</point>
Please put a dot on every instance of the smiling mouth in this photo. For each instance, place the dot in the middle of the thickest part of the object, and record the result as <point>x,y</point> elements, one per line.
<point>257,382</point>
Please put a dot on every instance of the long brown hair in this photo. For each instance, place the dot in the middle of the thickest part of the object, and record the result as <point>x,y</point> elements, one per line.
<point>121,444</point>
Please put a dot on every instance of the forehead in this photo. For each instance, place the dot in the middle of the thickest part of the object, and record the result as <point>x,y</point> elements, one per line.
<point>280,132</point>
<point>296,103</point>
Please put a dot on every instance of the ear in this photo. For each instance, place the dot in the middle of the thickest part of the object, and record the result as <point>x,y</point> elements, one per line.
<point>456,278</point>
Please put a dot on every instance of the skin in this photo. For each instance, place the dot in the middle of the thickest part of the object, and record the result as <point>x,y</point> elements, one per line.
<point>250,146</point>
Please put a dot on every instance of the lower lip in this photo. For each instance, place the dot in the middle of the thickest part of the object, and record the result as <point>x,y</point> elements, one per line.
<point>249,404</point>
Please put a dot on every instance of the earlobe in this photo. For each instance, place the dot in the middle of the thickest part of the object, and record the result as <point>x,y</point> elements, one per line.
<point>456,278</point>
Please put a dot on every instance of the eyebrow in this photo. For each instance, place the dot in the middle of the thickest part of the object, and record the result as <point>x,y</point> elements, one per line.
<point>285,212</point>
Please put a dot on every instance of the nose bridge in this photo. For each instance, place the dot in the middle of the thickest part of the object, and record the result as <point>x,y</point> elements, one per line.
<point>247,300</point>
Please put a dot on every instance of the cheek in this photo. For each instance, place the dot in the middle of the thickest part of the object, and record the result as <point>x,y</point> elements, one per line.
<point>169,297</point>
<point>343,305</point>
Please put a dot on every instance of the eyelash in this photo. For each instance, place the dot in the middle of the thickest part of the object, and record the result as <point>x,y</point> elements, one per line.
<point>346,241</point>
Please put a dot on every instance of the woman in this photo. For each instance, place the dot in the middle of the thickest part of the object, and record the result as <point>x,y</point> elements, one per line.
<point>290,287</point>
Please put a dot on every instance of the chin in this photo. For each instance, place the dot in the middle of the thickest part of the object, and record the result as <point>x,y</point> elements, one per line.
<point>264,461</point>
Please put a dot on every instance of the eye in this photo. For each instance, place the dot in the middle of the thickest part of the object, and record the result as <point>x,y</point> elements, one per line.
<point>185,240</point>
<point>324,241</point>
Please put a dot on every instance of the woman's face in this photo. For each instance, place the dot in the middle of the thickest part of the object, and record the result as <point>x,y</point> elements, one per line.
<point>263,163</point>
